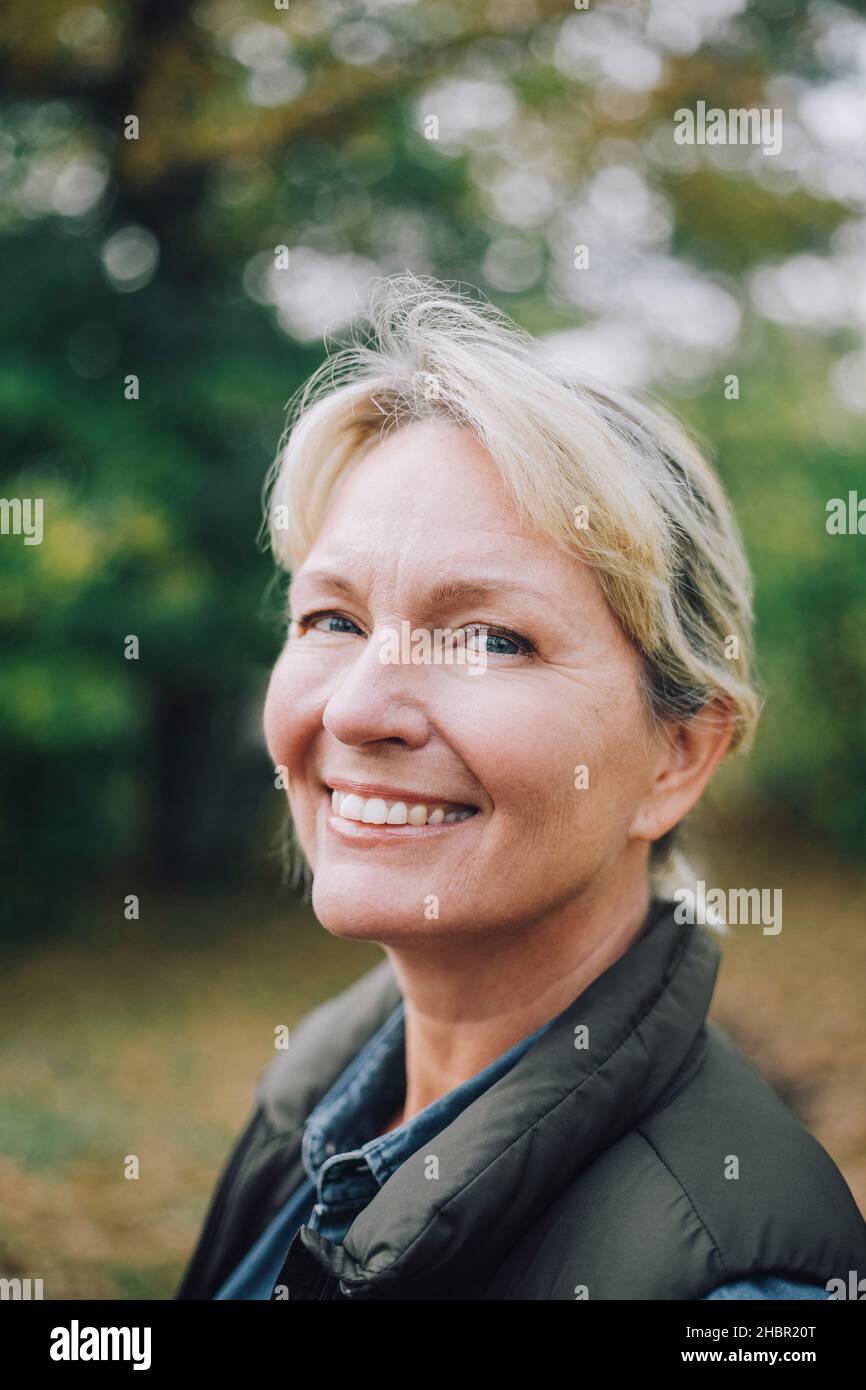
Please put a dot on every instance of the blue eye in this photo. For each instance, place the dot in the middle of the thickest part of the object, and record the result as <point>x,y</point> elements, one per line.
<point>502,644</point>
<point>309,621</point>
<point>503,639</point>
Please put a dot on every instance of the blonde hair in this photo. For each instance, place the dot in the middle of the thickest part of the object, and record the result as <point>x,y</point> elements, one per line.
<point>613,479</point>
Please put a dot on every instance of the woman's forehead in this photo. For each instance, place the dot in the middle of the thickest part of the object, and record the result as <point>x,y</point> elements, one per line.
<point>426,463</point>
<point>463,566</point>
<point>433,488</point>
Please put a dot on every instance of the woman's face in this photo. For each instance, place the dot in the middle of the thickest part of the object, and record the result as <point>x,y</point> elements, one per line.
<point>559,692</point>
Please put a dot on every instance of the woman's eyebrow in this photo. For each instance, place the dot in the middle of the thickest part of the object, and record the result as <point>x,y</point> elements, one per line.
<point>442,592</point>
<point>330,578</point>
<point>453,590</point>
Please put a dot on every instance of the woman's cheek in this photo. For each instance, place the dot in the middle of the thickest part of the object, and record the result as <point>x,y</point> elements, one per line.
<point>521,745</point>
<point>288,712</point>
<point>277,708</point>
<point>562,759</point>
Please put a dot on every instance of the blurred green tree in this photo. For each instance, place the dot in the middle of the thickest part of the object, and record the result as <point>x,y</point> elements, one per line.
<point>480,143</point>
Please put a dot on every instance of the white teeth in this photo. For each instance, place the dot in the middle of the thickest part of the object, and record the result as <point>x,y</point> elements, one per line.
<point>352,807</point>
<point>375,810</point>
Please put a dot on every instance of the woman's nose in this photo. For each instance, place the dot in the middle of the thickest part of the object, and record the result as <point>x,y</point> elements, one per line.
<point>373,700</point>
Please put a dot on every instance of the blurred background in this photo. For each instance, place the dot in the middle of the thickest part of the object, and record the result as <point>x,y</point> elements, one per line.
<point>479,142</point>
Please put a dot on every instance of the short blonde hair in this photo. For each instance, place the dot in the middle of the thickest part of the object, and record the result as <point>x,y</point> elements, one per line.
<point>613,479</point>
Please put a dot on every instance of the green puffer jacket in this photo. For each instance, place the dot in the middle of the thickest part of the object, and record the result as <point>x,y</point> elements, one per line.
<point>632,1153</point>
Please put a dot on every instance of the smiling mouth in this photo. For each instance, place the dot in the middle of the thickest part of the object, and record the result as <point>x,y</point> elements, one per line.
<point>405,813</point>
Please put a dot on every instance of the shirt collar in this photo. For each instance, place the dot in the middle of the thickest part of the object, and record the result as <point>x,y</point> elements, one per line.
<point>530,1134</point>
<point>360,1101</point>
<point>369,1092</point>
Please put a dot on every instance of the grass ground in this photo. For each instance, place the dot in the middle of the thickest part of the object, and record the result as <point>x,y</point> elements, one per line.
<point>146,1038</point>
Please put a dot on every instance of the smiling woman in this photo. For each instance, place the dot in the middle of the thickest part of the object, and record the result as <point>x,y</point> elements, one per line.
<point>503,830</point>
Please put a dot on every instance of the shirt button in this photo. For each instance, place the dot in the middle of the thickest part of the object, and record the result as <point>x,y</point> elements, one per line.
<point>330,1148</point>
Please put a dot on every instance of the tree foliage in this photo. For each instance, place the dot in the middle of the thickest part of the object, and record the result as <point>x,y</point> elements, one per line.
<point>152,258</point>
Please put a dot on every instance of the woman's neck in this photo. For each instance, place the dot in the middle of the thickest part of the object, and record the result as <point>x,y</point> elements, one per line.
<point>469,999</point>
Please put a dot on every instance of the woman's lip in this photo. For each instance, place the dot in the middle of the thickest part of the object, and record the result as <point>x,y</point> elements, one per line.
<point>370,789</point>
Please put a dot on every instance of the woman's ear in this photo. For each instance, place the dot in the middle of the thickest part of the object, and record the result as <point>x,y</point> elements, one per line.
<point>689,753</point>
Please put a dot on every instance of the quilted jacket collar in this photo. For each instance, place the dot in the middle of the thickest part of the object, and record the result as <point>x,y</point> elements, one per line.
<point>487,1175</point>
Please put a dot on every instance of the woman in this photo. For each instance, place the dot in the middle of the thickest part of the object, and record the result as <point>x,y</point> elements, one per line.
<point>518,650</point>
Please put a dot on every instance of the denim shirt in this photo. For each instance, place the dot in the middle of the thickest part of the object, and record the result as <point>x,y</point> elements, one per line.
<point>345,1168</point>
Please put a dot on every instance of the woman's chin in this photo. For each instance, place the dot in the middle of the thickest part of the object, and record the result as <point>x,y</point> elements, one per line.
<point>384,918</point>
